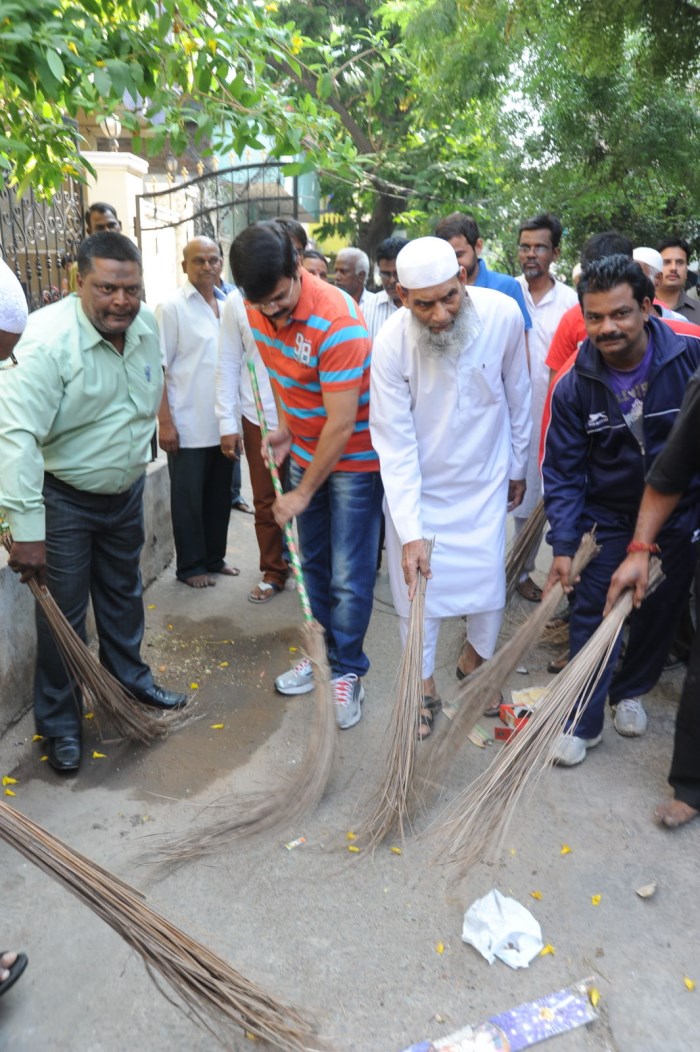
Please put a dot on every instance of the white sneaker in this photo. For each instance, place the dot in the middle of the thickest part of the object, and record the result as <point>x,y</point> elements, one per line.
<point>299,680</point>
<point>571,750</point>
<point>629,718</point>
<point>348,695</point>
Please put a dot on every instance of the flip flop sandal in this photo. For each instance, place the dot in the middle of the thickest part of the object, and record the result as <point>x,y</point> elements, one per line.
<point>15,971</point>
<point>529,591</point>
<point>269,591</point>
<point>431,706</point>
<point>558,664</point>
<point>495,709</point>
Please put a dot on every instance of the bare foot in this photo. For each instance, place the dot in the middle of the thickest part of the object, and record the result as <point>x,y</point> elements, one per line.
<point>200,580</point>
<point>6,962</point>
<point>429,688</point>
<point>229,571</point>
<point>674,813</point>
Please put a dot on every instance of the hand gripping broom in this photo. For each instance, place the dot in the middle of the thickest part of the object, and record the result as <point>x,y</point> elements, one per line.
<point>105,693</point>
<point>267,811</point>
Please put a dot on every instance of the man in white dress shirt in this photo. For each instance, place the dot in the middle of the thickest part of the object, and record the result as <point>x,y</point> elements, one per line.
<point>351,273</point>
<point>546,300</point>
<point>450,420</point>
<point>382,306</point>
<point>200,474</point>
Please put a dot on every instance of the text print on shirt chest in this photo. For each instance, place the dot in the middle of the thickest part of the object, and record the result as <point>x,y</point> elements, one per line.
<point>302,349</point>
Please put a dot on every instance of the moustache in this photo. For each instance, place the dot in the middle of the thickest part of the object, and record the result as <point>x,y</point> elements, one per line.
<point>611,338</point>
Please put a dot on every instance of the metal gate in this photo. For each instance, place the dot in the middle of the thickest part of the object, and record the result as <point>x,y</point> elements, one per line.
<point>39,240</point>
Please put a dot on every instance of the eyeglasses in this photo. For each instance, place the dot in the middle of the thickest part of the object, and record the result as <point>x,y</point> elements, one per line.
<point>282,301</point>
<point>539,250</point>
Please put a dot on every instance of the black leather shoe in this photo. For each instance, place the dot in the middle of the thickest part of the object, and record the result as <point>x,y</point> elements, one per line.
<point>160,698</point>
<point>64,753</point>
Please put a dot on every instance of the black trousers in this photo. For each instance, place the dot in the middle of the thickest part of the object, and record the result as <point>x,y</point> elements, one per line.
<point>685,764</point>
<point>93,547</point>
<point>200,507</point>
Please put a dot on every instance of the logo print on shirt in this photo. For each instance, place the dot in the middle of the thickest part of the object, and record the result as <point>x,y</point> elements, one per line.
<point>596,421</point>
<point>147,371</point>
<point>302,350</point>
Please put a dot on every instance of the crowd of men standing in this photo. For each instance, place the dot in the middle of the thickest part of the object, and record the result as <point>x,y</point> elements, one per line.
<point>434,400</point>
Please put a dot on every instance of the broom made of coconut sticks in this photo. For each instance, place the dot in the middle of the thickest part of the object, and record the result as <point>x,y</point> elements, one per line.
<point>254,813</point>
<point>109,698</point>
<point>217,996</point>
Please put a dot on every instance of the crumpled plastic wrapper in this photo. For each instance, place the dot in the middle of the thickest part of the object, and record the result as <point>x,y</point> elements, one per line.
<point>500,927</point>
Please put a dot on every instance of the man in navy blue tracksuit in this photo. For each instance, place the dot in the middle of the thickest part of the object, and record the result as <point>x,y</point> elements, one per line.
<point>611,415</point>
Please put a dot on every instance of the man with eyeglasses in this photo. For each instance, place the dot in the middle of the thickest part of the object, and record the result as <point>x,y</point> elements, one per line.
<point>546,300</point>
<point>383,305</point>
<point>76,419</point>
<point>314,343</point>
<point>200,474</point>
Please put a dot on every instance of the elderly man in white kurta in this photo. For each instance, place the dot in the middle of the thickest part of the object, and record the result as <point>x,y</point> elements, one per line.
<point>450,420</point>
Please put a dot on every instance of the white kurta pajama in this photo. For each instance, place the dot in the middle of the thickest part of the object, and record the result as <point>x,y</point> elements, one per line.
<point>450,433</point>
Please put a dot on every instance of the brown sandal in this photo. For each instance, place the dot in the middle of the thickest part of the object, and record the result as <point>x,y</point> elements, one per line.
<point>529,590</point>
<point>431,706</point>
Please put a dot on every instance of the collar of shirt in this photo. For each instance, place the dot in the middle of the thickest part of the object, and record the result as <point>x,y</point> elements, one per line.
<point>90,337</point>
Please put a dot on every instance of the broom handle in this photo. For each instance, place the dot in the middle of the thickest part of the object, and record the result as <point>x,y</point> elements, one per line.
<point>277,484</point>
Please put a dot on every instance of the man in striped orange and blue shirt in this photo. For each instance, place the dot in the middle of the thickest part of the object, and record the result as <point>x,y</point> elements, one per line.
<point>314,343</point>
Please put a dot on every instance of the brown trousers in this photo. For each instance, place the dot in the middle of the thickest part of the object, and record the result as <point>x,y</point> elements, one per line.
<point>273,567</point>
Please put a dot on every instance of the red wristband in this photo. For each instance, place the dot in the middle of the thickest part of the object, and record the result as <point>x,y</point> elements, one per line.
<point>640,546</point>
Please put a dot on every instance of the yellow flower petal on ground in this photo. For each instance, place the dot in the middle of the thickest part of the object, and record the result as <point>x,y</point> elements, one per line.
<point>595,900</point>
<point>594,996</point>
<point>395,850</point>
<point>353,848</point>
<point>350,835</point>
<point>151,606</point>
<point>292,650</point>
<point>37,737</point>
<point>547,950</point>
<point>43,759</point>
<point>98,755</point>
<point>440,947</point>
<point>88,715</point>
<point>8,792</point>
<point>689,984</point>
<point>6,780</point>
<point>536,895</point>
<point>565,850</point>
<point>170,627</point>
<point>224,664</point>
<point>194,686</point>
<point>217,726</point>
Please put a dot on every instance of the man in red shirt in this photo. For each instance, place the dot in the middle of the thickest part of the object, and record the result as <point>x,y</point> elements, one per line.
<point>314,343</point>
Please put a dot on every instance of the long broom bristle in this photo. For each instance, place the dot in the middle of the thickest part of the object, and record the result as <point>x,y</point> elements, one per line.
<point>475,824</point>
<point>391,811</point>
<point>217,996</point>
<point>263,812</point>
<point>106,694</point>
<point>522,546</point>
<point>480,687</point>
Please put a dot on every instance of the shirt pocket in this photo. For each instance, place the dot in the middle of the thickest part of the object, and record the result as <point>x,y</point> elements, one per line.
<point>482,389</point>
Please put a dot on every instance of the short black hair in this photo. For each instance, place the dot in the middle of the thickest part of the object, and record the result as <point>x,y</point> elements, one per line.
<point>313,253</point>
<point>605,273</point>
<point>609,243</point>
<point>675,242</point>
<point>544,221</point>
<point>102,207</point>
<point>457,224</point>
<point>106,245</point>
<point>390,247</point>
<point>259,257</point>
<point>294,229</point>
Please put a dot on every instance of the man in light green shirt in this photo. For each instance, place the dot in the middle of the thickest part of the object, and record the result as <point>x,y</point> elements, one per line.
<point>76,419</point>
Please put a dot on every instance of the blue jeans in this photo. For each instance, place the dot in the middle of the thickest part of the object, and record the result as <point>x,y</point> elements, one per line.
<point>93,546</point>
<point>338,538</point>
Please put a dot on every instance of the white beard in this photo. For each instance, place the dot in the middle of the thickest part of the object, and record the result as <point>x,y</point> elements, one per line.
<point>450,342</point>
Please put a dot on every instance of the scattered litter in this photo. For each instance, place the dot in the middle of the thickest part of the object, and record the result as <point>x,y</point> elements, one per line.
<point>98,755</point>
<point>194,686</point>
<point>43,759</point>
<point>6,780</point>
<point>536,895</point>
<point>37,737</point>
<point>595,900</point>
<point>295,843</point>
<point>440,948</point>
<point>500,927</point>
<point>479,737</point>
<point>689,984</point>
<point>647,890</point>
<point>88,715</point>
<point>547,950</point>
<point>217,726</point>
<point>565,850</point>
<point>8,792</point>
<point>151,606</point>
<point>395,850</point>
<point>523,1026</point>
<point>353,848</point>
<point>594,996</point>
<point>223,664</point>
<point>350,835</point>
<point>522,670</point>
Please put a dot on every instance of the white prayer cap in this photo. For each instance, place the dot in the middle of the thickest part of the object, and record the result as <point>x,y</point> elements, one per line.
<point>13,305</point>
<point>425,262</point>
<point>650,256</point>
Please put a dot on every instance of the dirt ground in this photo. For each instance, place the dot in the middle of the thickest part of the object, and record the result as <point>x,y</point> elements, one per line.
<point>370,949</point>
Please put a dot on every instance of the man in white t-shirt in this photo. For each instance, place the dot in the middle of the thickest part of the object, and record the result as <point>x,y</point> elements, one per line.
<point>200,474</point>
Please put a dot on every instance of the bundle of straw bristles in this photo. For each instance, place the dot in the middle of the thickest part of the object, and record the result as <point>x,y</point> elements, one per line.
<point>98,687</point>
